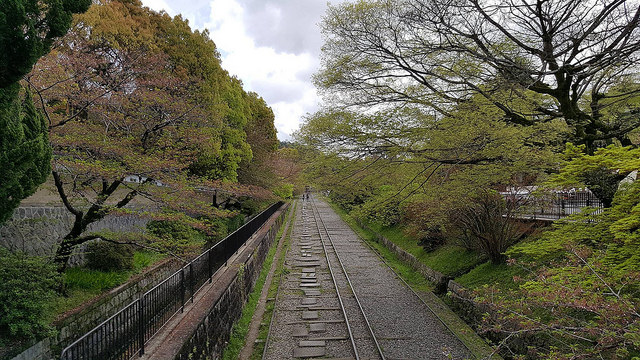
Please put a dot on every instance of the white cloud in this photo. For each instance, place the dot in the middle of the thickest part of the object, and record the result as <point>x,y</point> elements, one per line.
<point>272,46</point>
<point>158,5</point>
<point>274,75</point>
<point>294,110</point>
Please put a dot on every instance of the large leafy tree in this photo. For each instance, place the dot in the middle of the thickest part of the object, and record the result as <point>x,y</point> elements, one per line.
<point>194,55</point>
<point>263,139</point>
<point>460,96</point>
<point>579,57</point>
<point>471,145</point>
<point>134,99</point>
<point>27,29</point>
<point>221,160</point>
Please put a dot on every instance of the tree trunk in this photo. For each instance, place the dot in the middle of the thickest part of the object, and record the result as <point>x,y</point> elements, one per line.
<point>69,242</point>
<point>63,254</point>
<point>96,212</point>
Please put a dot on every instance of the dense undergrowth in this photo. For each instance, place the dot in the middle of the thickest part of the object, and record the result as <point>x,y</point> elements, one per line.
<point>33,300</point>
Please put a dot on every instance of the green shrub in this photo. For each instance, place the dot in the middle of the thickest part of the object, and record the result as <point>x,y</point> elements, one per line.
<point>249,206</point>
<point>28,284</point>
<point>432,238</point>
<point>234,223</point>
<point>105,256</point>
<point>488,227</point>
<point>220,227</point>
<point>180,238</point>
<point>284,191</point>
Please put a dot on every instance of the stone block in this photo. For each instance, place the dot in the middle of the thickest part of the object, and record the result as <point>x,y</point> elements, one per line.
<point>308,352</point>
<point>309,301</point>
<point>312,343</point>
<point>300,330</point>
<point>309,315</point>
<point>318,327</point>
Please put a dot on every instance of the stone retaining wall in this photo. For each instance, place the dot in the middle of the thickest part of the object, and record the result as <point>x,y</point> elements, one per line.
<point>37,230</point>
<point>212,333</point>
<point>473,313</point>
<point>75,324</point>
<point>464,305</point>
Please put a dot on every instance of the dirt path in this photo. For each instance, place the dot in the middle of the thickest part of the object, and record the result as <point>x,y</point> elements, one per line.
<point>256,320</point>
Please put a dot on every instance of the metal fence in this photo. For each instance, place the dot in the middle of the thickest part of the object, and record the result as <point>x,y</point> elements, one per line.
<point>124,334</point>
<point>558,205</point>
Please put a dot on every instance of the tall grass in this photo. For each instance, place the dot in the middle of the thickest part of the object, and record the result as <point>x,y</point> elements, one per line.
<point>82,284</point>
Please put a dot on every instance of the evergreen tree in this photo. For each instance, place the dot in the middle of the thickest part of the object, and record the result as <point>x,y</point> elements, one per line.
<point>27,29</point>
<point>24,149</point>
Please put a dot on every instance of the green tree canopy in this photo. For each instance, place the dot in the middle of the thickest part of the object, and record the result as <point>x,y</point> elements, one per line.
<point>139,107</point>
<point>580,58</point>
<point>600,172</point>
<point>408,165</point>
<point>263,139</point>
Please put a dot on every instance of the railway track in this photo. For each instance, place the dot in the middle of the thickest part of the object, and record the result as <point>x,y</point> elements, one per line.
<point>363,339</point>
<point>317,311</point>
<point>339,300</point>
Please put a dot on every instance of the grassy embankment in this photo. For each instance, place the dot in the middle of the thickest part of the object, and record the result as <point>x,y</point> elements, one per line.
<point>467,267</point>
<point>83,284</point>
<point>241,328</point>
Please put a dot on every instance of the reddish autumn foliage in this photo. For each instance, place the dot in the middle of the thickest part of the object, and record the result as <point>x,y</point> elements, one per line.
<point>139,108</point>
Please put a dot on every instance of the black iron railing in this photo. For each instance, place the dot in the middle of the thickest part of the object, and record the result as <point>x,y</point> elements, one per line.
<point>557,205</point>
<point>124,334</point>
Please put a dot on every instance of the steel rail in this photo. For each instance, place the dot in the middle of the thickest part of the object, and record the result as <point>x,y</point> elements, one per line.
<point>335,284</point>
<point>355,295</point>
<point>411,288</point>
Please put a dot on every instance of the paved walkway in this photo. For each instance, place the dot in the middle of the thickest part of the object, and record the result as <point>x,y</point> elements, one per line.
<point>317,312</point>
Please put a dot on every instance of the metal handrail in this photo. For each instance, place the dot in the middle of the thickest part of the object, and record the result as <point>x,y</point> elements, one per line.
<point>124,334</point>
<point>557,205</point>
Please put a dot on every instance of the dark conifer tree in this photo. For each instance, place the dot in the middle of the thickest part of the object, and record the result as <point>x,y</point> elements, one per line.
<point>27,30</point>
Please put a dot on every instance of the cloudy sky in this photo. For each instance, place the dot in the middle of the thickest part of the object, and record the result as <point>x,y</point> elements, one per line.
<point>273,46</point>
